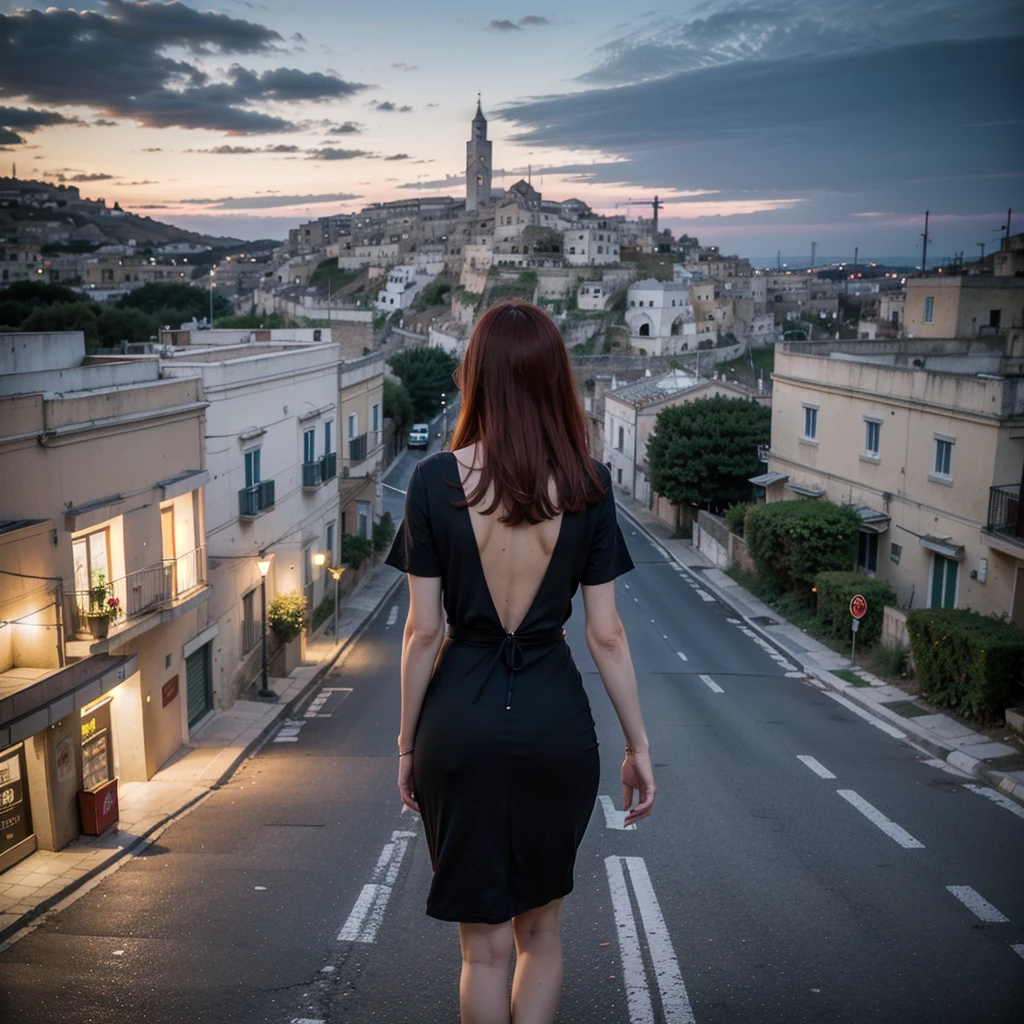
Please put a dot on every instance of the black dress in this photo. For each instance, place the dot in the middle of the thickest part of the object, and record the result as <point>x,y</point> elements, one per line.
<point>505,764</point>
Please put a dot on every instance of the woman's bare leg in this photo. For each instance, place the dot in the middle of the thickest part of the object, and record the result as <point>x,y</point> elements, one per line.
<point>537,983</point>
<point>483,989</point>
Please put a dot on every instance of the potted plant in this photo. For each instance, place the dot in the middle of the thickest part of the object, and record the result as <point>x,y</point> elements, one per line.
<point>103,608</point>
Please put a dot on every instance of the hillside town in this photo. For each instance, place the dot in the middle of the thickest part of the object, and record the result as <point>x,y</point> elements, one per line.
<point>178,494</point>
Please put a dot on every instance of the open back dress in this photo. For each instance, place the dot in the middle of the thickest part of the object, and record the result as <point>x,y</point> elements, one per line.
<point>505,761</point>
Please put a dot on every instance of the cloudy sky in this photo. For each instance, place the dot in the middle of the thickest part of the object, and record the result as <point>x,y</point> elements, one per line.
<point>763,125</point>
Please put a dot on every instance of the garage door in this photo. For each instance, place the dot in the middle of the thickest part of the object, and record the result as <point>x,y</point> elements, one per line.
<point>199,684</point>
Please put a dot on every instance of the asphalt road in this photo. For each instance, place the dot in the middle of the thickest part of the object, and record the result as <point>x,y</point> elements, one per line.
<point>762,891</point>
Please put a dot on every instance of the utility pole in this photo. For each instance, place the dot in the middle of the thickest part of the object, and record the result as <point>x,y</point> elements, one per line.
<point>981,246</point>
<point>1009,215</point>
<point>328,298</point>
<point>924,245</point>
<point>778,261</point>
<point>814,249</point>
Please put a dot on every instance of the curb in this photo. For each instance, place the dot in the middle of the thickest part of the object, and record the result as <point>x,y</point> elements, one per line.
<point>954,758</point>
<point>251,748</point>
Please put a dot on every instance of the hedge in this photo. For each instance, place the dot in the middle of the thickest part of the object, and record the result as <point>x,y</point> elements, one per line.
<point>287,615</point>
<point>792,541</point>
<point>355,550</point>
<point>836,589</point>
<point>966,661</point>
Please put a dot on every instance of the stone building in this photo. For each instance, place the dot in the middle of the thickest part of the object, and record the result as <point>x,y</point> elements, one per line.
<point>479,163</point>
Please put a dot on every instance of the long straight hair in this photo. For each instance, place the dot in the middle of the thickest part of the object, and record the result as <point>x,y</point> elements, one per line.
<point>520,407</point>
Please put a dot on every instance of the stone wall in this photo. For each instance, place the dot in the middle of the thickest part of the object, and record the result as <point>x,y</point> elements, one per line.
<point>711,537</point>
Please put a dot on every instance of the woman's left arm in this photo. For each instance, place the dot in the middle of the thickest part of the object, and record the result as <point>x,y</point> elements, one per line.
<point>421,642</point>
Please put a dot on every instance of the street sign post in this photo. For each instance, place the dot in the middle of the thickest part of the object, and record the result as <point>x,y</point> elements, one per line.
<point>858,609</point>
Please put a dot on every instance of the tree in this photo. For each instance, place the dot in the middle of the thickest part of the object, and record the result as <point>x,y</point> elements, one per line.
<point>704,452</point>
<point>66,316</point>
<point>175,303</point>
<point>117,325</point>
<point>425,374</point>
<point>398,406</point>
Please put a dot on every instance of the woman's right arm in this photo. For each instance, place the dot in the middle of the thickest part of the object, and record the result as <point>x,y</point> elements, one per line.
<point>606,641</point>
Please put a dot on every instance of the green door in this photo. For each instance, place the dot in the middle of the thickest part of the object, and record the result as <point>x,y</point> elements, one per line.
<point>198,684</point>
<point>944,572</point>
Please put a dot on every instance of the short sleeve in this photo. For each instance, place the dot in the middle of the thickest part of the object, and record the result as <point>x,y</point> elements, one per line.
<point>414,550</point>
<point>608,556</point>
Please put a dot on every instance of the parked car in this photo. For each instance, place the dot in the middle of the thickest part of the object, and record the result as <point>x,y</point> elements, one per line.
<point>419,436</point>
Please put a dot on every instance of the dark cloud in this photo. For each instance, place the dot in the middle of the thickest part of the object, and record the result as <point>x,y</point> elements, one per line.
<point>533,21</point>
<point>141,183</point>
<point>105,122</point>
<point>153,149</point>
<point>502,25</point>
<point>92,177</point>
<point>398,156</point>
<point>400,65</point>
<point>735,129</point>
<point>298,37</point>
<point>29,120</point>
<point>117,63</point>
<point>387,107</point>
<point>260,202</point>
<point>348,128</point>
<point>246,150</point>
<point>9,137</point>
<point>756,30</point>
<point>330,153</point>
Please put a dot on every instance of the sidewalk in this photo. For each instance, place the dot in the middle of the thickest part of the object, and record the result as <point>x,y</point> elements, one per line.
<point>205,763</point>
<point>969,752</point>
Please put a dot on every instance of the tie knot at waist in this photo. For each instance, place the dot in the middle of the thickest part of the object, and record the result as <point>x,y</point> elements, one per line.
<point>508,646</point>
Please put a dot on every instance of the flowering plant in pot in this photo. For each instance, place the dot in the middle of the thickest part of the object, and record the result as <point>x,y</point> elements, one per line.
<point>103,607</point>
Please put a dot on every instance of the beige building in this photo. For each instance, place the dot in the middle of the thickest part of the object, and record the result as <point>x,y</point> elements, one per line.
<point>361,397</point>
<point>963,305</point>
<point>926,440</point>
<point>114,271</point>
<point>630,414</point>
<point>102,471</point>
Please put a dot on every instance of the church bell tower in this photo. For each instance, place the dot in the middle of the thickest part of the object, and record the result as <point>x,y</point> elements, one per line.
<point>478,163</point>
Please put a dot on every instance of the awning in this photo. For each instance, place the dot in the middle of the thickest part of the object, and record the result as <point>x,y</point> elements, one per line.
<point>767,479</point>
<point>872,521</point>
<point>944,546</point>
<point>807,492</point>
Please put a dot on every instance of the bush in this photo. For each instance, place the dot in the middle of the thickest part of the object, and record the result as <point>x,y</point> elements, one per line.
<point>355,550</point>
<point>398,406</point>
<point>287,615</point>
<point>967,662</point>
<point>324,610</point>
<point>735,516</point>
<point>836,590</point>
<point>383,533</point>
<point>793,541</point>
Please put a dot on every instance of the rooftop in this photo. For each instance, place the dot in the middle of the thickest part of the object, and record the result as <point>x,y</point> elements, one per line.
<point>655,387</point>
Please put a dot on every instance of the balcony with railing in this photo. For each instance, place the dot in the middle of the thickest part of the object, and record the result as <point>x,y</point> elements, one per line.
<point>329,466</point>
<point>357,449</point>
<point>311,474</point>
<point>255,499</point>
<point>137,594</point>
<point>1005,526</point>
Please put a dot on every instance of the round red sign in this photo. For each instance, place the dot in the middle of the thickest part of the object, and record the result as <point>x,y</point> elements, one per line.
<point>858,606</point>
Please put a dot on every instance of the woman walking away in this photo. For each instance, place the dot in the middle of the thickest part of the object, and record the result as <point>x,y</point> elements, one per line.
<point>497,749</point>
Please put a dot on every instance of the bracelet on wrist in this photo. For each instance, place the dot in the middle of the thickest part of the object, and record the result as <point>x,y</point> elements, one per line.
<point>405,753</point>
<point>634,750</point>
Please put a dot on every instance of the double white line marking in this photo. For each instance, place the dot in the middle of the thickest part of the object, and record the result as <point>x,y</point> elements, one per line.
<point>368,913</point>
<point>675,1003</point>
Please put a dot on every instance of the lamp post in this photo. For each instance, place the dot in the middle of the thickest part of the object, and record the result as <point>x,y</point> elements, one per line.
<point>444,420</point>
<point>265,693</point>
<point>337,572</point>
<point>211,300</point>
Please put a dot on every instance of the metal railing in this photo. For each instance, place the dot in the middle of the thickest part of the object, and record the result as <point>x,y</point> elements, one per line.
<point>252,633</point>
<point>357,448</point>
<point>253,500</point>
<point>1004,511</point>
<point>329,466</point>
<point>188,571</point>
<point>312,474</point>
<point>137,593</point>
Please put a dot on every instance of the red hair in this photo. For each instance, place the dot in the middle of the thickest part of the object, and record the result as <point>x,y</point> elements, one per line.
<point>519,405</point>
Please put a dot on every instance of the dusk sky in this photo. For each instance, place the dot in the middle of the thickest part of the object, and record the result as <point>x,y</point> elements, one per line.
<point>762,125</point>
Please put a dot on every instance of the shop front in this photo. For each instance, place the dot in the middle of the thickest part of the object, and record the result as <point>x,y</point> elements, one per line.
<point>17,840</point>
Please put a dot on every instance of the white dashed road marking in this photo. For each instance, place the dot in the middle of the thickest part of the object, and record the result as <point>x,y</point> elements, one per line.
<point>614,818</point>
<point>681,655</point>
<point>711,684</point>
<point>704,595</point>
<point>392,616</point>
<point>977,904</point>
<point>888,729</point>
<point>368,913</point>
<point>876,817</point>
<point>816,766</point>
<point>996,797</point>
<point>316,707</point>
<point>289,732</point>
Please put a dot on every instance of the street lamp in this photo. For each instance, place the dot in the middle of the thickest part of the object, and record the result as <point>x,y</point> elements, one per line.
<point>337,572</point>
<point>211,311</point>
<point>444,421</point>
<point>265,693</point>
